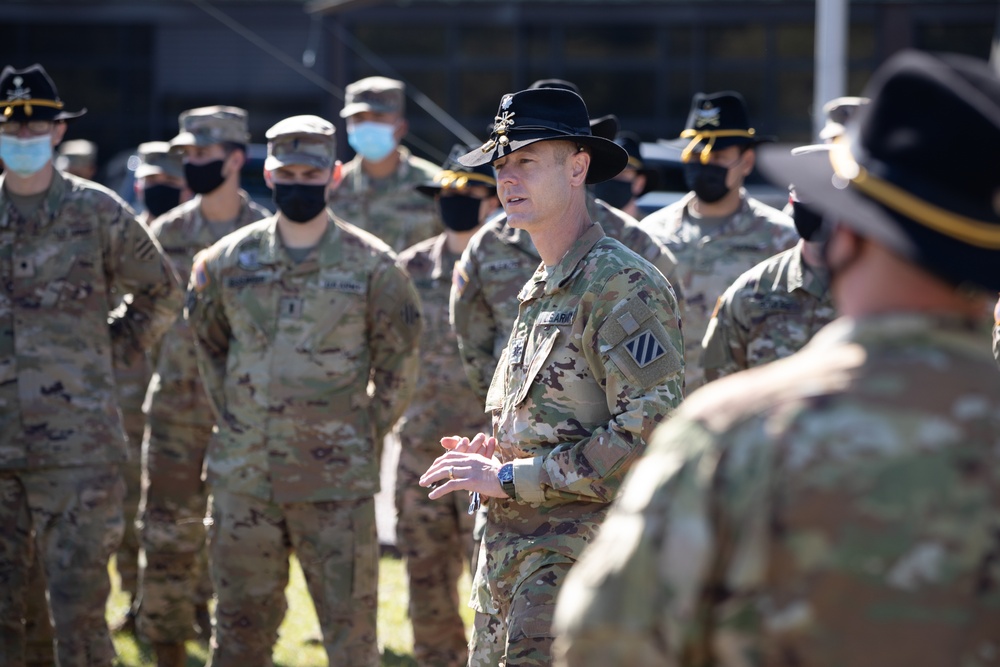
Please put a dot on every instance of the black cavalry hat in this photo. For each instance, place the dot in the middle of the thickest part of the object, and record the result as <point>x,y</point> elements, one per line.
<point>455,175</point>
<point>897,175</point>
<point>630,142</point>
<point>545,114</point>
<point>605,126</point>
<point>717,121</point>
<point>29,94</point>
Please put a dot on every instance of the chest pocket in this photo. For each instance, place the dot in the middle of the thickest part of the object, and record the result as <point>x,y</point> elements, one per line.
<point>528,373</point>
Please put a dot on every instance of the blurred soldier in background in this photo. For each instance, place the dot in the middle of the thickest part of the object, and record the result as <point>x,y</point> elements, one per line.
<point>837,507</point>
<point>69,245</point>
<point>773,309</point>
<point>174,585</point>
<point>716,232</point>
<point>159,179</point>
<point>624,190</point>
<point>436,537</point>
<point>78,157</point>
<point>377,193</point>
<point>298,318</point>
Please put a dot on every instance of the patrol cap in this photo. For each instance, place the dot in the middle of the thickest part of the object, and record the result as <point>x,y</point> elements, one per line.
<point>305,140</point>
<point>544,114</point>
<point>717,121</point>
<point>205,126</point>
<point>30,94</point>
<point>76,152</point>
<point>374,93</point>
<point>897,175</point>
<point>155,157</point>
<point>454,175</point>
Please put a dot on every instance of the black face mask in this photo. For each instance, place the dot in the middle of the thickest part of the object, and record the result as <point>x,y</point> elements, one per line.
<point>459,213</point>
<point>615,192</point>
<point>160,198</point>
<point>204,178</point>
<point>807,221</point>
<point>708,181</point>
<point>299,202</point>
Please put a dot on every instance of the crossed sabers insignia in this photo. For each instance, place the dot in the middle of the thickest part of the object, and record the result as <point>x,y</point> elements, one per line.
<point>500,127</point>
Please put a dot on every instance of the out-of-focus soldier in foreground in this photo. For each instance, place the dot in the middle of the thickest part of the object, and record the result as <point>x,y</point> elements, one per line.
<point>307,342</point>
<point>69,250</point>
<point>837,507</point>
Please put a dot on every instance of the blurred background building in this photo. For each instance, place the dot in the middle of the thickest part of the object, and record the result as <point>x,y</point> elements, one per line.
<point>137,63</point>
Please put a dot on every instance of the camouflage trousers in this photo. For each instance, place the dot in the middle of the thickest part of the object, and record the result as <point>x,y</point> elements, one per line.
<point>172,571</point>
<point>250,541</point>
<point>435,537</point>
<point>520,634</point>
<point>72,517</point>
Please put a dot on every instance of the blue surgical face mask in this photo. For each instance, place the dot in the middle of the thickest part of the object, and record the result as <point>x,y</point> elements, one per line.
<point>25,157</point>
<point>372,141</point>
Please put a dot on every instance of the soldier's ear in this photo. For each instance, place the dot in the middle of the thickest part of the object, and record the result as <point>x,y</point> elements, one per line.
<point>268,179</point>
<point>336,175</point>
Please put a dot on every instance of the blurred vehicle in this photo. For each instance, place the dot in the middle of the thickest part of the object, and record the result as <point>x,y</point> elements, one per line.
<point>665,157</point>
<point>119,175</point>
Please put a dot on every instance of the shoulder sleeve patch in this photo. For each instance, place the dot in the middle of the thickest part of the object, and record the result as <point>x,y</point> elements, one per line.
<point>459,279</point>
<point>718,305</point>
<point>639,345</point>
<point>199,275</point>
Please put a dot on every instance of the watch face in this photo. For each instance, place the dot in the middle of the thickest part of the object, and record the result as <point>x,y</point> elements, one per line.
<point>506,473</point>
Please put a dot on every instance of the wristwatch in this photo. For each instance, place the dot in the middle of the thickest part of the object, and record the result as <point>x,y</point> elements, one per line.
<point>506,478</point>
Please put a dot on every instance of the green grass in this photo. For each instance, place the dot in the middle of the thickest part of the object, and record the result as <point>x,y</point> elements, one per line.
<point>298,644</point>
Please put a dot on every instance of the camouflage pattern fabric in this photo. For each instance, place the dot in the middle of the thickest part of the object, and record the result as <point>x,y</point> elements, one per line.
<point>769,313</point>
<point>72,516</point>
<point>435,536</point>
<point>495,266</point>
<point>712,253</point>
<point>287,352</point>
<point>390,208</point>
<point>250,542</point>
<point>594,363</point>
<point>837,507</point>
<point>174,497</point>
<point>61,268</point>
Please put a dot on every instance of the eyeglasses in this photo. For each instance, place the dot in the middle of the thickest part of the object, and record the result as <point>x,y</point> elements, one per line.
<point>36,127</point>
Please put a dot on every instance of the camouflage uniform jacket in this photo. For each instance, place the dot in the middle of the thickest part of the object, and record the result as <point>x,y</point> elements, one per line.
<point>594,363</point>
<point>390,208</point>
<point>287,352</point>
<point>442,403</point>
<point>63,272</point>
<point>837,507</point>
<point>769,313</point>
<point>497,263</point>
<point>175,392</point>
<point>711,258</point>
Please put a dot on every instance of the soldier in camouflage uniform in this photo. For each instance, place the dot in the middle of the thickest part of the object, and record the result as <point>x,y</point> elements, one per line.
<point>78,157</point>
<point>716,232</point>
<point>623,191</point>
<point>436,537</point>
<point>175,586</point>
<point>594,363</point>
<point>297,318</point>
<point>773,309</point>
<point>377,192</point>
<point>159,173</point>
<point>837,507</point>
<point>68,250</point>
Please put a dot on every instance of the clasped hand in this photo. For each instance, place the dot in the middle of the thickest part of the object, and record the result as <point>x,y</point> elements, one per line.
<point>468,465</point>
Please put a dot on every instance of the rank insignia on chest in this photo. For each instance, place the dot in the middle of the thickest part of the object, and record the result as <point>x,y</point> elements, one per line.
<point>645,349</point>
<point>290,307</point>
<point>517,351</point>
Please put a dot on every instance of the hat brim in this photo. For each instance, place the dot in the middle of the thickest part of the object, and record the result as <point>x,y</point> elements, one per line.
<point>817,185</point>
<point>607,159</point>
<point>272,162</point>
<point>361,107</point>
<point>40,113</point>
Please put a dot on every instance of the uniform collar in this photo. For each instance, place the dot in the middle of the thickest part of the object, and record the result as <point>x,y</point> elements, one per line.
<point>272,250</point>
<point>549,280</point>
<point>802,276</point>
<point>50,204</point>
